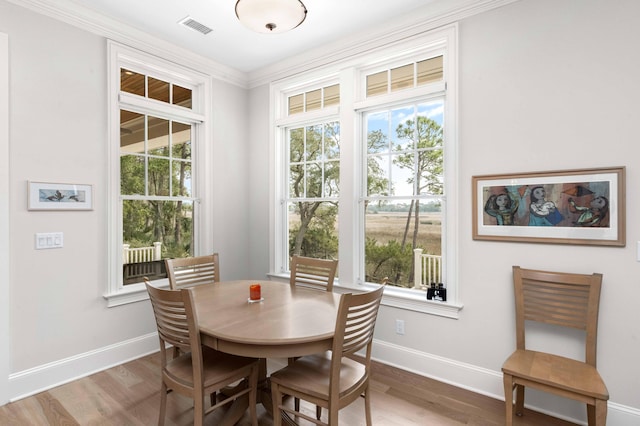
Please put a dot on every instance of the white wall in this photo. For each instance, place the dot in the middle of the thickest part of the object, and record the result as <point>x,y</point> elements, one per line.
<point>5,356</point>
<point>231,125</point>
<point>58,133</point>
<point>544,85</point>
<point>259,178</point>
<point>549,85</point>
<point>60,325</point>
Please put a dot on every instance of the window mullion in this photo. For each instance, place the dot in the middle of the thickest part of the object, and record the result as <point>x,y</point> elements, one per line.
<point>170,141</point>
<point>145,155</point>
<point>305,164</point>
<point>158,108</point>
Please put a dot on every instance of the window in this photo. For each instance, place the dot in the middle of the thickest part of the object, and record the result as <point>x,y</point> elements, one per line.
<point>405,76</point>
<point>314,99</point>
<point>155,155</point>
<point>404,191</point>
<point>312,202</point>
<point>408,184</point>
<point>310,156</point>
<point>393,185</point>
<point>156,195</point>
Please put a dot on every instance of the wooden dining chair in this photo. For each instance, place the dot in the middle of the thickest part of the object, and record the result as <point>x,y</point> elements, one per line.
<point>313,273</point>
<point>336,378</point>
<point>316,274</point>
<point>200,370</point>
<point>561,299</point>
<point>190,271</point>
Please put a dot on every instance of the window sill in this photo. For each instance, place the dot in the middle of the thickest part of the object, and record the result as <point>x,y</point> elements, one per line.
<point>131,294</point>
<point>398,298</point>
<point>126,296</point>
<point>419,303</point>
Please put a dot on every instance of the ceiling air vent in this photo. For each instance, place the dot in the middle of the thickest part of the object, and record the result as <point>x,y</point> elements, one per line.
<point>195,25</point>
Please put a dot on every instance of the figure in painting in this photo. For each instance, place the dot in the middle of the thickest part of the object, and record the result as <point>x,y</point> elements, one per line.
<point>520,194</point>
<point>541,211</point>
<point>593,215</point>
<point>502,207</point>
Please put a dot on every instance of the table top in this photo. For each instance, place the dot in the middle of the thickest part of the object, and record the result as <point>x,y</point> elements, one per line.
<point>287,323</point>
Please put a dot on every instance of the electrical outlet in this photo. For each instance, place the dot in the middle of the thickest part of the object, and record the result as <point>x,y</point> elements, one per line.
<point>399,326</point>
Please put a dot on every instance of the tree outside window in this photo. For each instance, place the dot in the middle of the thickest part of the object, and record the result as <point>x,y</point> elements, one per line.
<point>312,205</point>
<point>155,187</point>
<point>405,190</point>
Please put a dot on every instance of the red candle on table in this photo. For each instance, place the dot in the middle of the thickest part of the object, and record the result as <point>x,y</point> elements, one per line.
<point>254,292</point>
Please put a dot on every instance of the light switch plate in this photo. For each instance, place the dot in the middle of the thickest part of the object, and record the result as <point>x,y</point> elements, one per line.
<point>49,240</point>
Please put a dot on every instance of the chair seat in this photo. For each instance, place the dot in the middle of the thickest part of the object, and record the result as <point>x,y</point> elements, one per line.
<point>310,375</point>
<point>556,371</point>
<point>217,367</point>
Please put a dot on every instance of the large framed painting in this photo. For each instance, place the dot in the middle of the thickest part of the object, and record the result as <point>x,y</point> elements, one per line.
<point>563,207</point>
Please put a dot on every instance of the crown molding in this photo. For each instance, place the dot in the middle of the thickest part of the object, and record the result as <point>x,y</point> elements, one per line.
<point>79,16</point>
<point>433,16</point>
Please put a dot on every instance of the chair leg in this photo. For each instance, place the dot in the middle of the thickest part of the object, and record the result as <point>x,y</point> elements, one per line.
<point>296,401</point>
<point>333,416</point>
<point>198,410</point>
<point>597,414</point>
<point>277,400</point>
<point>519,400</point>
<point>318,412</point>
<point>367,406</point>
<point>253,395</point>
<point>163,403</point>
<point>508,399</point>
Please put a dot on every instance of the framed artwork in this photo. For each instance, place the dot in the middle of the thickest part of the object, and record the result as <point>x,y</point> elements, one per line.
<point>562,207</point>
<point>59,196</point>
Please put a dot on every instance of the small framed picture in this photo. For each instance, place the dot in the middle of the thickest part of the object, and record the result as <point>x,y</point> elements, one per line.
<point>561,207</point>
<point>59,196</point>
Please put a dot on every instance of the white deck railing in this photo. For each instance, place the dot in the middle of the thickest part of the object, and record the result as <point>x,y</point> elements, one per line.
<point>427,269</point>
<point>141,254</point>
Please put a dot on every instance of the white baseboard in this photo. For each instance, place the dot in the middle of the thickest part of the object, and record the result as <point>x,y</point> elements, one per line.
<point>47,376</point>
<point>477,379</point>
<point>486,382</point>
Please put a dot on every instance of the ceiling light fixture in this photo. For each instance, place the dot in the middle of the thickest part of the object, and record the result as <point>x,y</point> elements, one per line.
<point>271,16</point>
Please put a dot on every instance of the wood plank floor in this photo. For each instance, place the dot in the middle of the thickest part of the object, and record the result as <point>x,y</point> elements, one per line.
<point>128,394</point>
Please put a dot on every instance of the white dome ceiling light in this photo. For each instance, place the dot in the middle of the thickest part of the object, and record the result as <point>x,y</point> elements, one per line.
<point>271,16</point>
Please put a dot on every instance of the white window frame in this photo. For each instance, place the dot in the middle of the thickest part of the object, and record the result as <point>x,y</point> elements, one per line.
<point>282,123</point>
<point>5,250</point>
<point>353,102</point>
<point>120,56</point>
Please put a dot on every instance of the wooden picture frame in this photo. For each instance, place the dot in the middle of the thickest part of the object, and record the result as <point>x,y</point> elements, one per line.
<point>584,206</point>
<point>59,196</point>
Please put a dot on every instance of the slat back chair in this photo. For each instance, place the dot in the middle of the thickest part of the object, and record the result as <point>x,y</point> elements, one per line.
<point>313,273</point>
<point>317,274</point>
<point>562,299</point>
<point>200,370</point>
<point>190,271</point>
<point>334,379</point>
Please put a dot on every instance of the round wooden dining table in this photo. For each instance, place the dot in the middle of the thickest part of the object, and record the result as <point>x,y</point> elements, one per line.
<point>288,322</point>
